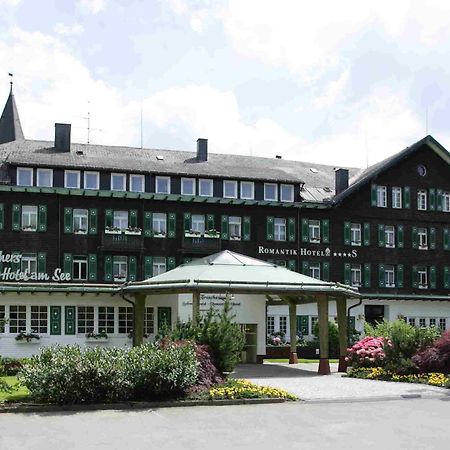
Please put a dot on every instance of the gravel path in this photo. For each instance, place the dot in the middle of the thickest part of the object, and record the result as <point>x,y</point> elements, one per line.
<point>303,381</point>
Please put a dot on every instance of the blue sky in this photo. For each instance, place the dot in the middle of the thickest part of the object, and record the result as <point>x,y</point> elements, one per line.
<point>328,82</point>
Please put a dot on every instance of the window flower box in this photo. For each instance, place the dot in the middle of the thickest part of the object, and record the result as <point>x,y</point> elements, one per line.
<point>235,238</point>
<point>214,234</point>
<point>80,231</point>
<point>27,338</point>
<point>97,337</point>
<point>29,228</point>
<point>120,279</point>
<point>193,233</point>
<point>113,230</point>
<point>133,231</point>
<point>159,234</point>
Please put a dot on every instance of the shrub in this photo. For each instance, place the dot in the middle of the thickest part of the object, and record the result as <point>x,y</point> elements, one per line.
<point>5,387</point>
<point>368,352</point>
<point>10,366</point>
<point>333,337</point>
<point>435,358</point>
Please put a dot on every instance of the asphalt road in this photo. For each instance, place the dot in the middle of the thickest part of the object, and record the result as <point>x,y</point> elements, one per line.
<point>390,424</point>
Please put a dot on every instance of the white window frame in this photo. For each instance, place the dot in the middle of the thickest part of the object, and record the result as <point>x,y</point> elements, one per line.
<point>159,178</point>
<point>234,185</point>
<point>190,180</point>
<point>120,268</point>
<point>422,200</point>
<point>442,323</point>
<point>381,196</point>
<point>389,236</point>
<point>279,229</point>
<point>389,276</point>
<point>283,324</point>
<point>273,199</point>
<point>270,325</point>
<point>121,217</point>
<point>198,222</point>
<point>422,237</point>
<point>314,231</point>
<point>81,215</point>
<point>125,320</point>
<point>27,262</point>
<point>78,261</point>
<point>422,277</point>
<point>236,223</point>
<point>41,171</point>
<point>314,270</point>
<point>252,188</point>
<point>31,212</point>
<point>87,315</point>
<point>446,202</point>
<point>24,169</point>
<point>42,319</point>
<point>355,275</point>
<point>124,182</point>
<point>97,175</point>
<point>210,184</point>
<point>291,192</point>
<point>159,265</point>
<point>134,176</point>
<point>159,225</point>
<point>397,197</point>
<point>355,231</point>
<point>106,319</point>
<point>70,172</point>
<point>18,323</point>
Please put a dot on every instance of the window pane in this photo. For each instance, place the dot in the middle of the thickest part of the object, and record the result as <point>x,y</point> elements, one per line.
<point>91,180</point>
<point>188,186</point>
<point>270,192</point>
<point>159,224</point>
<point>72,179</point>
<point>247,190</point>
<point>206,188</point>
<point>230,189</point>
<point>44,177</point>
<point>24,177</point>
<point>287,193</point>
<point>137,183</point>
<point>117,182</point>
<point>163,185</point>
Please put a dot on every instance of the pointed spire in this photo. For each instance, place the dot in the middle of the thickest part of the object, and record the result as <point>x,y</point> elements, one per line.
<point>10,127</point>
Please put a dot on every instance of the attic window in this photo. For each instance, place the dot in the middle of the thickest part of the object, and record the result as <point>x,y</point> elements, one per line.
<point>160,157</point>
<point>79,152</point>
<point>327,189</point>
<point>313,170</point>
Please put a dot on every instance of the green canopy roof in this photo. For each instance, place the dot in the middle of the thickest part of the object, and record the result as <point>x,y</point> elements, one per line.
<point>233,272</point>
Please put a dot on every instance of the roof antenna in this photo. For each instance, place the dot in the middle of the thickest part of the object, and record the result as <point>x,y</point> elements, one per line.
<point>89,129</point>
<point>142,129</point>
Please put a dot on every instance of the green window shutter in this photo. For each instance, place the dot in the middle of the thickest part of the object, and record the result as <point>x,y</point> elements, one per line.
<point>400,272</point>
<point>326,271</point>
<point>15,266</point>
<point>68,222</point>
<point>171,263</point>
<point>291,229</point>
<point>347,233</point>
<point>269,228</point>
<point>447,277</point>
<point>433,283</point>
<point>67,264</point>
<point>400,236</point>
<point>351,324</point>
<point>55,320</point>
<point>148,224</point>
<point>92,267</point>
<point>108,218</point>
<point>2,217</point>
<point>347,274</point>
<point>366,236</point>
<point>432,199</point>
<point>42,218</point>
<point>210,222</point>
<point>132,218</point>
<point>292,265</point>
<point>171,225</point>
<point>247,228</point>
<point>439,199</point>
<point>373,198</point>
<point>367,275</point>
<point>16,213</point>
<point>381,279</point>
<point>381,236</point>
<point>42,262</point>
<point>132,268</point>
<point>415,277</point>
<point>224,227</point>
<point>446,238</point>
<point>305,230</point>
<point>406,197</point>
<point>69,316</point>
<point>148,267</point>
<point>164,317</point>
<point>93,222</point>
<point>187,222</point>
<point>325,231</point>
<point>107,268</point>
<point>305,268</point>
<point>415,238</point>
<point>303,325</point>
<point>432,236</point>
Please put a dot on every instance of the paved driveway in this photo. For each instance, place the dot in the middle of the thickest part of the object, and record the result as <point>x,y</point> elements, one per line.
<point>303,381</point>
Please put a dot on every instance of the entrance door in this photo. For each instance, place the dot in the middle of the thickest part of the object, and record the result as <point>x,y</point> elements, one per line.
<point>374,313</point>
<point>164,317</point>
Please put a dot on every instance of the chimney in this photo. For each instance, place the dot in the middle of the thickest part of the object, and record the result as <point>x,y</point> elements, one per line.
<point>341,180</point>
<point>62,137</point>
<point>202,149</point>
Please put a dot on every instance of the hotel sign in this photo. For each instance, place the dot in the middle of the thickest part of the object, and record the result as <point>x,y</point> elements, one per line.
<point>304,251</point>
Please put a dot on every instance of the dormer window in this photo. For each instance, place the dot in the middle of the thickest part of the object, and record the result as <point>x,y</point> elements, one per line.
<point>188,186</point>
<point>72,179</point>
<point>137,183</point>
<point>230,189</point>
<point>271,192</point>
<point>205,188</point>
<point>118,182</point>
<point>24,176</point>
<point>247,190</point>
<point>162,185</point>
<point>287,193</point>
<point>91,180</point>
<point>44,177</point>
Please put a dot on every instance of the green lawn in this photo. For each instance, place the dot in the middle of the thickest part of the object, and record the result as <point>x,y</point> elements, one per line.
<point>300,360</point>
<point>16,395</point>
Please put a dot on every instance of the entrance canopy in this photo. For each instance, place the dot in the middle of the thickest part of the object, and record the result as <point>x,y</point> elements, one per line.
<point>227,271</point>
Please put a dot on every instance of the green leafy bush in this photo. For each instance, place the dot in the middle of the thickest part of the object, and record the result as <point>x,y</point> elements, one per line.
<point>333,337</point>
<point>5,387</point>
<point>10,366</point>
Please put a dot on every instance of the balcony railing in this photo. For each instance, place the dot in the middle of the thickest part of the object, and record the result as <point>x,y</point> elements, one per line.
<point>122,242</point>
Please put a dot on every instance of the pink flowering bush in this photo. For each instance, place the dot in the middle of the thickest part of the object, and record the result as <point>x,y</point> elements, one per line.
<point>368,352</point>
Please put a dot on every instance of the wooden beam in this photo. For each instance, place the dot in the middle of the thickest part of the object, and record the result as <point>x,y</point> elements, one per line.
<point>138,319</point>
<point>322,308</point>
<point>341,308</point>
<point>293,359</point>
<point>195,307</point>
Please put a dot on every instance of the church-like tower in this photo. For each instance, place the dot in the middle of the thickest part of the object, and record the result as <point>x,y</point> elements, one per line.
<point>10,127</point>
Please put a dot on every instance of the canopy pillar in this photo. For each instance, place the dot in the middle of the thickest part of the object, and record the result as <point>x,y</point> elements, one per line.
<point>195,307</point>
<point>293,332</point>
<point>138,319</point>
<point>341,307</point>
<point>322,307</point>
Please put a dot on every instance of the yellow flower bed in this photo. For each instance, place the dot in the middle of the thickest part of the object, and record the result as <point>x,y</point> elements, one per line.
<point>378,373</point>
<point>238,389</point>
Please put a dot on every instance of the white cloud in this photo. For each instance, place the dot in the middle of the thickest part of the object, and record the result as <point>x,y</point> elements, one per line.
<point>68,30</point>
<point>9,2</point>
<point>92,6</point>
<point>333,91</point>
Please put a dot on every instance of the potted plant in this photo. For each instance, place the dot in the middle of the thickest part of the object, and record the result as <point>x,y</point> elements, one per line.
<point>29,228</point>
<point>212,234</point>
<point>112,230</point>
<point>120,279</point>
<point>192,233</point>
<point>80,231</point>
<point>133,231</point>
<point>24,337</point>
<point>161,234</point>
<point>235,237</point>
<point>101,336</point>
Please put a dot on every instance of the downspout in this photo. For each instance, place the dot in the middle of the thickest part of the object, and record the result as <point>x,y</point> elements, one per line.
<point>348,317</point>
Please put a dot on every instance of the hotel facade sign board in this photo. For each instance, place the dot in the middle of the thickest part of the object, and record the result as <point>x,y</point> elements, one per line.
<point>304,251</point>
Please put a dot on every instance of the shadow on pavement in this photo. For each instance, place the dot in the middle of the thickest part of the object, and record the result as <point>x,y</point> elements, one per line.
<point>270,371</point>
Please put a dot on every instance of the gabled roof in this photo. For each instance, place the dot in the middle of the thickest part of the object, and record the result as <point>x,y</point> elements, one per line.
<point>372,172</point>
<point>10,127</point>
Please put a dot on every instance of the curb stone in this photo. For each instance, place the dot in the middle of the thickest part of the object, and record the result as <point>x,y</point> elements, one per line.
<point>35,408</point>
